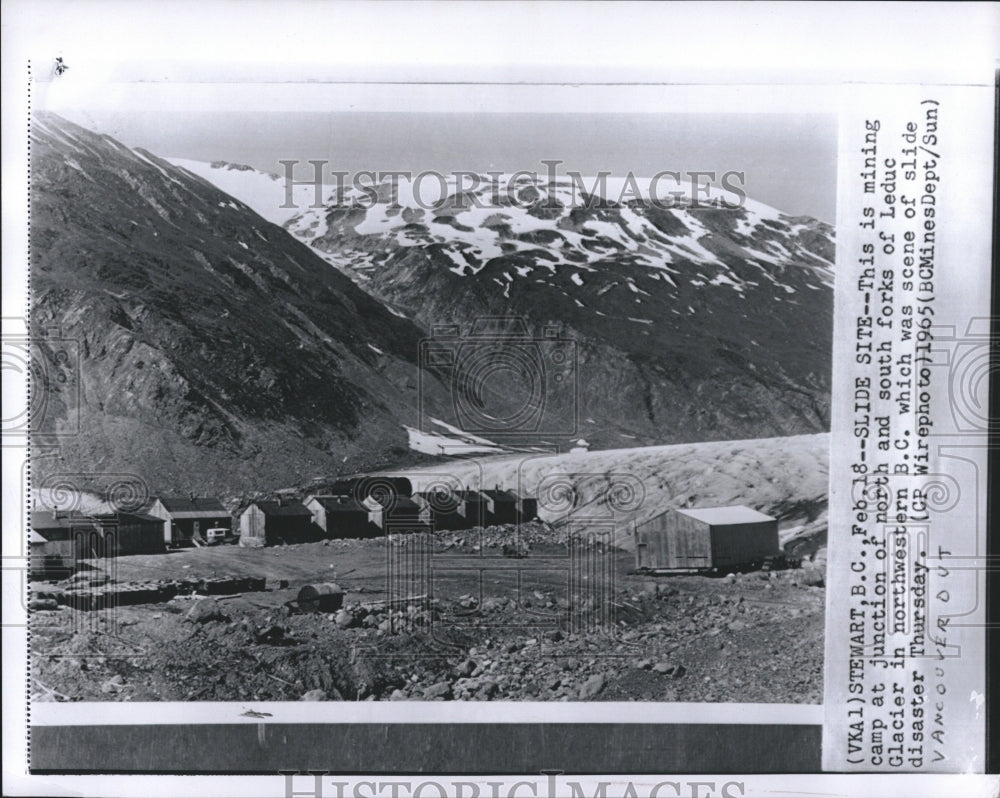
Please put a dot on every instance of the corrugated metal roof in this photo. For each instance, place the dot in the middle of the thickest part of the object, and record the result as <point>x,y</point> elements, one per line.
<point>198,506</point>
<point>731,514</point>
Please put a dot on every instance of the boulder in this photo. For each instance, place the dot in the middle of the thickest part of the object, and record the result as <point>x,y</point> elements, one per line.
<point>439,690</point>
<point>344,619</point>
<point>591,687</point>
<point>205,610</point>
<point>812,577</point>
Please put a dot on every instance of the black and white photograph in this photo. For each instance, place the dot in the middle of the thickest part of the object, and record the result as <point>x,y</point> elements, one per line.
<point>587,389</point>
<point>418,406</point>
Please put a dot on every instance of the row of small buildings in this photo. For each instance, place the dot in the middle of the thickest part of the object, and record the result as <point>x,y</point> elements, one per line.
<point>676,538</point>
<point>58,539</point>
<point>348,513</point>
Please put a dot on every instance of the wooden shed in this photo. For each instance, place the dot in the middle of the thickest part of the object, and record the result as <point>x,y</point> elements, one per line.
<point>266,523</point>
<point>527,508</point>
<point>471,505</point>
<point>442,509</point>
<point>403,515</point>
<point>344,516</point>
<point>703,538</point>
<point>57,540</point>
<point>131,533</point>
<point>185,519</point>
<point>500,506</point>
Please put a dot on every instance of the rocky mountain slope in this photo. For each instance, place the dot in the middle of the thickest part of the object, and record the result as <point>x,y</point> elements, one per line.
<point>690,323</point>
<point>185,339</point>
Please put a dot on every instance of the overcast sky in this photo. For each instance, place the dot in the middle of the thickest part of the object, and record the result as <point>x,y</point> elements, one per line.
<point>789,160</point>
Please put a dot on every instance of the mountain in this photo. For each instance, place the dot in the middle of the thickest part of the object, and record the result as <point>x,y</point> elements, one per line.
<point>185,339</point>
<point>690,323</point>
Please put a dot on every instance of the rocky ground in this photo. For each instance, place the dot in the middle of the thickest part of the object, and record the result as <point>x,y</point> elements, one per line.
<point>489,628</point>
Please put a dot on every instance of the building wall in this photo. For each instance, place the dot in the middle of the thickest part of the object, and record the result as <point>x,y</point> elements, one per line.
<point>675,540</point>
<point>738,544</point>
<point>139,537</point>
<point>473,511</point>
<point>501,512</point>
<point>288,528</point>
<point>252,528</point>
<point>159,511</point>
<point>349,525</point>
<point>319,515</point>
<point>672,540</point>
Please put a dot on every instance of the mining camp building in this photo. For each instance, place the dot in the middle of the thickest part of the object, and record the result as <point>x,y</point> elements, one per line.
<point>58,539</point>
<point>402,515</point>
<point>344,516</point>
<point>185,520</point>
<point>471,506</point>
<point>442,509</point>
<point>266,523</point>
<point>705,538</point>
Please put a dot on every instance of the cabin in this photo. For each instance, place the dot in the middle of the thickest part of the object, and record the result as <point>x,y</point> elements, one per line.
<point>130,533</point>
<point>267,523</point>
<point>402,515</point>
<point>58,539</point>
<point>471,506</point>
<point>705,538</point>
<point>527,508</point>
<point>185,520</point>
<point>44,559</point>
<point>501,506</point>
<point>344,516</point>
<point>442,509</point>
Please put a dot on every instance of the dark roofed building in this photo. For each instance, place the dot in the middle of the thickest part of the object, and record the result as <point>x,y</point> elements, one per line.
<point>344,516</point>
<point>501,506</point>
<point>60,538</point>
<point>403,515</point>
<point>131,533</point>
<point>471,506</point>
<point>443,509</point>
<point>185,519</point>
<point>266,523</point>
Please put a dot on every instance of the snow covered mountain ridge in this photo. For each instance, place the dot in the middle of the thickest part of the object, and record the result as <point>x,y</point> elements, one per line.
<point>692,322</point>
<point>557,224</point>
